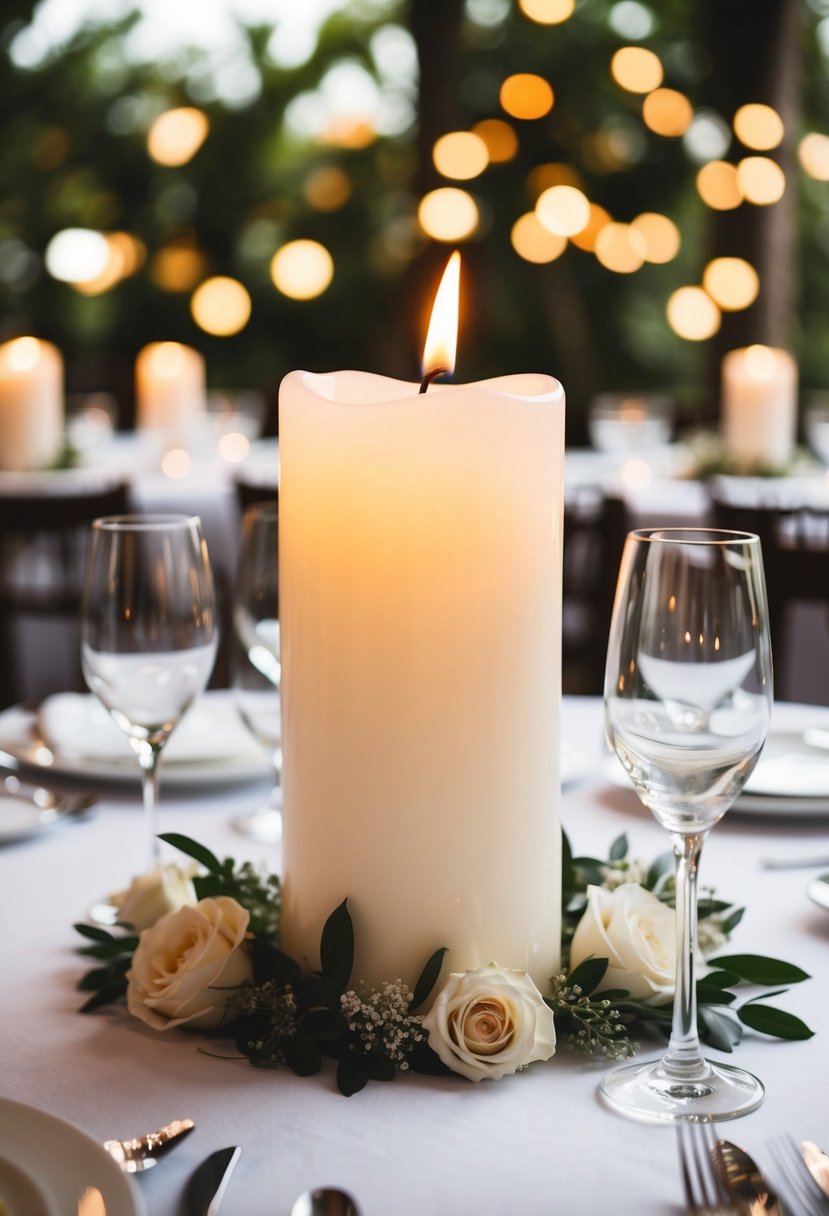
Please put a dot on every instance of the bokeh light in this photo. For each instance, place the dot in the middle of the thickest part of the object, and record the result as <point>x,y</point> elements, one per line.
<point>813,154</point>
<point>220,306</point>
<point>535,243</point>
<point>636,473</point>
<point>543,176</point>
<point>302,270</point>
<point>177,267</point>
<point>76,255</point>
<point>692,314</point>
<point>547,12</point>
<point>499,137</point>
<point>460,155</point>
<point>620,248</point>
<point>175,136</point>
<point>22,354</point>
<point>234,447</point>
<point>176,463</point>
<point>718,185</point>
<point>526,96</point>
<point>327,188</point>
<point>761,180</point>
<point>126,255</point>
<point>660,235</point>
<point>448,214</point>
<point>586,238</point>
<point>636,69</point>
<point>563,210</point>
<point>758,126</point>
<point>667,112</point>
<point>732,283</point>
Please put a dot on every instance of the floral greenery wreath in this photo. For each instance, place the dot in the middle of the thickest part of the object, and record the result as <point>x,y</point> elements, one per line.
<point>217,931</point>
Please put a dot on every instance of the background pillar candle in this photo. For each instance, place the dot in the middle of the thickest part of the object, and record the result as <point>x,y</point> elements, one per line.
<point>420,603</point>
<point>169,387</point>
<point>759,406</point>
<point>31,404</point>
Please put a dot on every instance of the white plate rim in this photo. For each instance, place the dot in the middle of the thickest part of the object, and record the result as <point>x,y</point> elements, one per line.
<point>18,725</point>
<point>64,1160</point>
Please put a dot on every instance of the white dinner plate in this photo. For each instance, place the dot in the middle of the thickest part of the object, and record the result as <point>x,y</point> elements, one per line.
<point>22,745</point>
<point>46,1165</point>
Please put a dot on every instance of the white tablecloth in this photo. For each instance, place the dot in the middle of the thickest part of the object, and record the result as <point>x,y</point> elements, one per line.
<point>535,1144</point>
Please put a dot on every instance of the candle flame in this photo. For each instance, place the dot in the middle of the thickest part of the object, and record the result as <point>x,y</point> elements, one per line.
<point>442,337</point>
<point>23,354</point>
<point>760,362</point>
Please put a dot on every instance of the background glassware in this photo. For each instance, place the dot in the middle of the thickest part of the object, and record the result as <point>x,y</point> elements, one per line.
<point>256,660</point>
<point>816,425</point>
<point>148,633</point>
<point>630,422</point>
<point>688,693</point>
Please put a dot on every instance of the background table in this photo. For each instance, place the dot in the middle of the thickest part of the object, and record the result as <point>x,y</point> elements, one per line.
<point>535,1144</point>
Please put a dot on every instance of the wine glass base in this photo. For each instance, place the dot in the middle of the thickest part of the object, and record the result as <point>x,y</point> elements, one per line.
<point>648,1091</point>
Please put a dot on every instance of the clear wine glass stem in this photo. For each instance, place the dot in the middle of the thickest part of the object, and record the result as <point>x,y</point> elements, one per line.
<point>684,1057</point>
<point>148,757</point>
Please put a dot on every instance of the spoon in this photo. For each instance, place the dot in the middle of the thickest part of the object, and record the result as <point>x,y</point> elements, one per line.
<point>743,1181</point>
<point>327,1201</point>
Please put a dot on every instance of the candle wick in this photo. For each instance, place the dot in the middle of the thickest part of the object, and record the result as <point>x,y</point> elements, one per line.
<point>430,376</point>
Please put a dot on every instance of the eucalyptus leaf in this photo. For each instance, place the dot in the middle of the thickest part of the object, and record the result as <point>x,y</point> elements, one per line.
<point>302,1055</point>
<point>731,921</point>
<point>104,996</point>
<point>337,946</point>
<point>777,1022</point>
<point>269,963</point>
<point>718,1028</point>
<point>619,848</point>
<point>660,868</point>
<point>710,994</point>
<point>193,849</point>
<point>94,933</point>
<point>111,949</point>
<point>427,979</point>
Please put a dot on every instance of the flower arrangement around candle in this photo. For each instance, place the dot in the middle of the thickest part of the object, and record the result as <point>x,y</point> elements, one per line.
<point>209,959</point>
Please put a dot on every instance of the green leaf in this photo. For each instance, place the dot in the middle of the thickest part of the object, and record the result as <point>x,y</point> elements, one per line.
<point>592,868</point>
<point>619,848</point>
<point>588,975</point>
<point>777,1022</point>
<point>104,996</point>
<point>576,903</point>
<point>427,1062</point>
<point>193,849</point>
<point>757,969</point>
<point>380,1067</point>
<point>427,979</point>
<point>337,946</point>
<point>719,979</point>
<point>660,867</point>
<point>269,963</point>
<point>731,922</point>
<point>303,1056</point>
<point>710,994</point>
<point>317,991</point>
<point>568,878</point>
<point>352,1074</point>
<point>718,1028</point>
<point>111,949</point>
<point>94,933</point>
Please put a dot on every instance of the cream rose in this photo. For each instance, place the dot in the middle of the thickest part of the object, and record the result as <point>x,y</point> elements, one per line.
<point>490,1022</point>
<point>189,964</point>
<point>636,932</point>
<point>150,896</point>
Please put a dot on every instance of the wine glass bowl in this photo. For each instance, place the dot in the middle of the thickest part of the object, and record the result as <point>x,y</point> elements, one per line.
<point>256,665</point>
<point>148,636</point>
<point>688,694</point>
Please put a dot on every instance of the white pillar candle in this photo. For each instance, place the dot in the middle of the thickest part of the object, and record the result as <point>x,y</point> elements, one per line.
<point>759,406</point>
<point>169,387</point>
<point>31,404</point>
<point>420,605</point>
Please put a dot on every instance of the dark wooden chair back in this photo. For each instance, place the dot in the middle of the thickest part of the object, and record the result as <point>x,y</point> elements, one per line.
<point>43,545</point>
<point>595,526</point>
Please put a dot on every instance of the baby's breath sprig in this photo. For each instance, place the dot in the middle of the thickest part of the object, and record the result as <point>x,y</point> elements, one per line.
<point>592,1025</point>
<point>378,1020</point>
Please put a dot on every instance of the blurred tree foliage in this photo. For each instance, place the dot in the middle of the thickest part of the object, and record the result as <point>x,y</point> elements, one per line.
<point>74,155</point>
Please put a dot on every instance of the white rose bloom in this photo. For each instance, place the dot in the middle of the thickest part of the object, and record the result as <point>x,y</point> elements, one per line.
<point>490,1022</point>
<point>150,896</point>
<point>189,965</point>
<point>636,932</point>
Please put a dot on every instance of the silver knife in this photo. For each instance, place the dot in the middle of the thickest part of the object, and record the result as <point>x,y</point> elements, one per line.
<point>208,1182</point>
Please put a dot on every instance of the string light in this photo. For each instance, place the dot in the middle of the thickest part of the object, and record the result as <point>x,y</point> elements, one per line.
<point>761,180</point>
<point>535,243</point>
<point>620,248</point>
<point>586,239</point>
<point>692,314</point>
<point>448,214</point>
<point>564,210</point>
<point>758,126</point>
<point>813,154</point>
<point>302,269</point>
<point>547,12</point>
<point>461,155</point>
<point>220,306</point>
<point>718,185</point>
<point>526,96</point>
<point>732,283</point>
<point>175,136</point>
<point>667,112</point>
<point>499,137</point>
<point>636,69</point>
<point>660,235</point>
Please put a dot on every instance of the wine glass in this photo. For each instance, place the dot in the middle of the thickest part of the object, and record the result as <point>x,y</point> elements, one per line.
<point>256,663</point>
<point>148,633</point>
<point>688,692</point>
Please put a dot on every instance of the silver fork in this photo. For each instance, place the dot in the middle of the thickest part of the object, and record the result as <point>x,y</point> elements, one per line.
<point>704,1192</point>
<point>802,1191</point>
